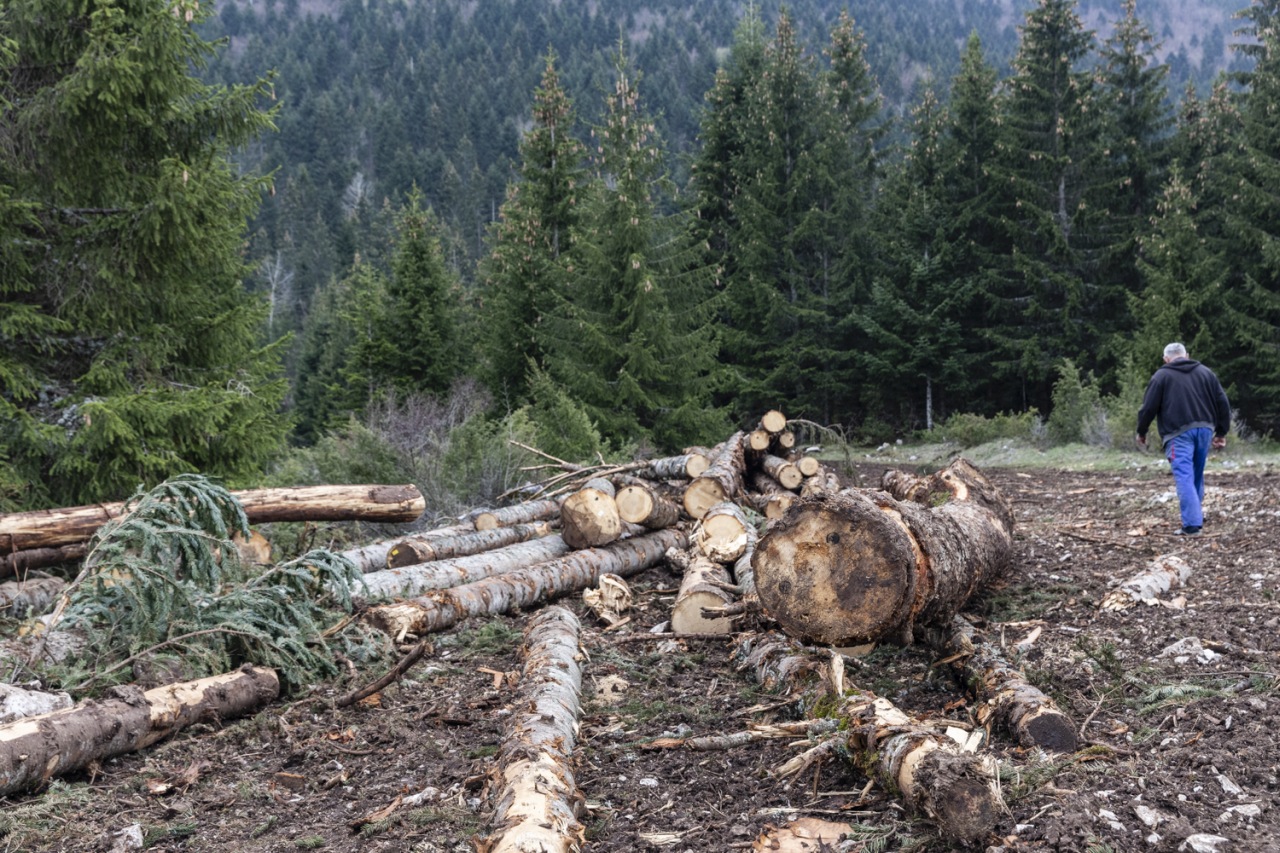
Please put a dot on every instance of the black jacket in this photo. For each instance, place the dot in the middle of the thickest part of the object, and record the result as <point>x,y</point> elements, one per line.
<point>1183,395</point>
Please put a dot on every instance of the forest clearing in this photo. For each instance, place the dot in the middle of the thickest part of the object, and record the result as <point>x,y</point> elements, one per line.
<point>688,742</point>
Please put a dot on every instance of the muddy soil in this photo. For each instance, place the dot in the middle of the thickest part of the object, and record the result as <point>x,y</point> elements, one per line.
<point>1178,706</point>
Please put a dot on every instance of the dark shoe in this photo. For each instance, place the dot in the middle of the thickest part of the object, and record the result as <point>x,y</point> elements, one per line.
<point>1188,531</point>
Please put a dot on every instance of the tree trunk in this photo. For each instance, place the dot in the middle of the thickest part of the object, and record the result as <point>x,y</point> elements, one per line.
<point>642,504</point>
<point>521,513</point>
<point>412,552</point>
<point>956,790</point>
<point>684,467</point>
<point>1008,699</point>
<point>860,567</point>
<point>724,533</point>
<point>524,587</point>
<point>538,801</point>
<point>19,562</point>
<point>705,584</point>
<point>373,558</point>
<point>721,481</point>
<point>35,749</point>
<point>31,597</point>
<point>413,580</point>
<point>787,475</point>
<point>51,528</point>
<point>589,517</point>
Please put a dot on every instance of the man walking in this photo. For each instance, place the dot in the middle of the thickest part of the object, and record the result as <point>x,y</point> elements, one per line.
<point>1192,413</point>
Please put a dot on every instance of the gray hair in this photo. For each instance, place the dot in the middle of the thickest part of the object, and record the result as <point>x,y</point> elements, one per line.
<point>1175,350</point>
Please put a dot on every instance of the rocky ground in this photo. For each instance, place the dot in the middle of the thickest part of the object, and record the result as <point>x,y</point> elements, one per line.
<point>1177,704</point>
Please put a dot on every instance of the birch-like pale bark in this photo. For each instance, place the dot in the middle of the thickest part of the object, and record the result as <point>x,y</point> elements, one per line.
<point>521,513</point>
<point>408,581</point>
<point>428,549</point>
<point>1161,575</point>
<point>721,481</point>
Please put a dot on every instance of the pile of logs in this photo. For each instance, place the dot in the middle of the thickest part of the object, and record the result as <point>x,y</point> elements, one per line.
<point>762,536</point>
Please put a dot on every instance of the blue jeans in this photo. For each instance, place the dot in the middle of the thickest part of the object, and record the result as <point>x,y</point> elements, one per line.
<point>1187,454</point>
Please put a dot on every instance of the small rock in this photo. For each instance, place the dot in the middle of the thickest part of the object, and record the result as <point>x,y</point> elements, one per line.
<point>1150,817</point>
<point>1248,810</point>
<point>1203,842</point>
<point>1229,787</point>
<point>129,838</point>
<point>649,782</point>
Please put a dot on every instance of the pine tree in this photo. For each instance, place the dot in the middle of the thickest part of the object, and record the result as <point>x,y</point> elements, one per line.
<point>130,220</point>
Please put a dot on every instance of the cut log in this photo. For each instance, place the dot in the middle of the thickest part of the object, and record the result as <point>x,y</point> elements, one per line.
<point>683,467</point>
<point>808,465</point>
<point>773,421</point>
<point>776,500</point>
<point>442,574</point>
<point>724,533</point>
<point>521,513</point>
<point>784,441</point>
<point>1008,699</point>
<point>31,597</point>
<point>860,567</point>
<point>1156,578</point>
<point>589,517</point>
<point>744,575</point>
<point>787,475</point>
<point>537,799</point>
<point>20,562</point>
<point>705,585</point>
<point>372,558</point>
<point>758,440</point>
<point>721,481</point>
<point>524,587</point>
<point>418,550</point>
<point>823,482</point>
<point>35,749</point>
<point>642,504</point>
<point>50,528</point>
<point>956,790</point>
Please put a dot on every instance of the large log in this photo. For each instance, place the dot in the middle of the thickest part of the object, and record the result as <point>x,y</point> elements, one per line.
<point>35,749</point>
<point>959,791</point>
<point>524,587</point>
<point>423,549</point>
<point>521,513</point>
<point>589,517</point>
<point>641,503</point>
<point>721,481</point>
<point>51,528</point>
<point>413,580</point>
<point>1008,698</point>
<point>373,557</point>
<point>860,567</point>
<point>20,562</point>
<point>724,533</point>
<point>537,799</point>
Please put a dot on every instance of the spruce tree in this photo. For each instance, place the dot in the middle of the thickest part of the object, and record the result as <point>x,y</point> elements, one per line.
<point>125,321</point>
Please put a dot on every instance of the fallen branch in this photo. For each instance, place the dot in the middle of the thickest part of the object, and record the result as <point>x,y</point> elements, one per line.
<point>754,733</point>
<point>1156,578</point>
<point>394,674</point>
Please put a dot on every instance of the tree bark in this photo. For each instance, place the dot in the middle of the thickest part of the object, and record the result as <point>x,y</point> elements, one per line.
<point>31,597</point>
<point>684,467</point>
<point>642,504</point>
<point>538,801</point>
<point>1008,699</point>
<point>1156,578</point>
<point>443,574</point>
<point>956,790</point>
<point>524,587</point>
<point>372,558</point>
<point>35,749</point>
<point>721,481</point>
<point>787,475</point>
<point>823,482</point>
<point>860,567</point>
<point>521,513</point>
<point>705,584</point>
<point>418,550</point>
<point>51,528</point>
<point>724,533</point>
<point>776,500</point>
<point>19,562</point>
<point>589,517</point>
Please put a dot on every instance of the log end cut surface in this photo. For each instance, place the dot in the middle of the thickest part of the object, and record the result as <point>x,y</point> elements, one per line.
<point>1051,730</point>
<point>963,802</point>
<point>836,570</point>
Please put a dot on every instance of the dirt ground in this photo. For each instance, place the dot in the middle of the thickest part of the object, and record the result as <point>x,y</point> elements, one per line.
<point>1178,706</point>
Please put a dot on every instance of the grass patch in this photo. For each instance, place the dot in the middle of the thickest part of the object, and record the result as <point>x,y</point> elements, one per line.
<point>495,636</point>
<point>24,825</point>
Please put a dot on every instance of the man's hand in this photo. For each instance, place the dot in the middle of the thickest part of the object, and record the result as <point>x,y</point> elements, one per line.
<point>1142,441</point>
<point>1219,442</point>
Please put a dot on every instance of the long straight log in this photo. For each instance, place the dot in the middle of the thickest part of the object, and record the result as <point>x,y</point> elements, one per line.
<point>20,562</point>
<point>860,567</point>
<point>683,467</point>
<point>956,790</point>
<point>373,557</point>
<point>721,481</point>
<point>1008,698</point>
<point>538,800</point>
<point>524,587</point>
<point>405,581</point>
<point>50,528</point>
<point>35,749</point>
<point>521,513</point>
<point>417,550</point>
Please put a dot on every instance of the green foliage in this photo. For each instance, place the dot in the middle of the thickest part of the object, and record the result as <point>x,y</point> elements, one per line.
<point>1076,402</point>
<point>167,575</point>
<point>562,428</point>
<point>971,430</point>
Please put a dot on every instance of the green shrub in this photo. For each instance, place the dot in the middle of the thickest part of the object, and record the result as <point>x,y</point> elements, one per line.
<point>1077,408</point>
<point>970,430</point>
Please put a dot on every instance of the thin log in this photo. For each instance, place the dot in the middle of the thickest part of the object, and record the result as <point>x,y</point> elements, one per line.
<point>784,441</point>
<point>807,465</point>
<point>443,574</point>
<point>683,467</point>
<point>642,504</point>
<point>373,557</point>
<point>51,528</point>
<point>721,481</point>
<point>724,533</point>
<point>860,567</point>
<point>524,587</point>
<point>787,474</point>
<point>1008,698</point>
<point>418,550</point>
<point>754,733</point>
<point>744,575</point>
<point>1161,575</point>
<point>30,597</point>
<point>704,585</point>
<point>521,513</point>
<point>538,801</point>
<point>758,440</point>
<point>823,482</point>
<point>956,790</point>
<point>20,562</point>
<point>589,517</point>
<point>776,501</point>
<point>35,749</point>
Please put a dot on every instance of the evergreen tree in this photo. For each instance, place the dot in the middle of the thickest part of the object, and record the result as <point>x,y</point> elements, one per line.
<point>125,319</point>
<point>521,278</point>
